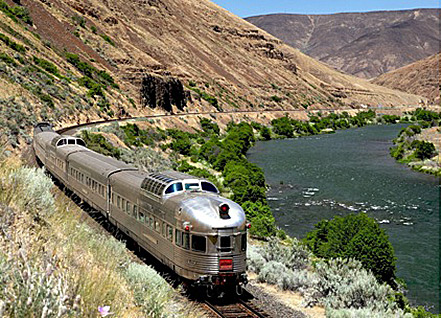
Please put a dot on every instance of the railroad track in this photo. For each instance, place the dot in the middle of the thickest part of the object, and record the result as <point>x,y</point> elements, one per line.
<point>73,129</point>
<point>237,308</point>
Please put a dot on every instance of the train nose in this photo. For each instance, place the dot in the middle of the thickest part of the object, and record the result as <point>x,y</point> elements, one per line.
<point>213,212</point>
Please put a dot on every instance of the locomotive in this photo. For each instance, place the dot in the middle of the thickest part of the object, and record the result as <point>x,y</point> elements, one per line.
<point>179,219</point>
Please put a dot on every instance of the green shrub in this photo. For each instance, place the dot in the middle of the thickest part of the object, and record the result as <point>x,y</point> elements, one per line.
<point>276,99</point>
<point>181,142</point>
<point>107,39</point>
<point>209,127</point>
<point>266,133</point>
<point>13,45</point>
<point>390,119</point>
<point>7,59</point>
<point>212,100</point>
<point>283,126</point>
<point>424,150</point>
<point>420,312</point>
<point>15,12</point>
<point>46,65</point>
<point>355,236</point>
<point>79,20</point>
<point>98,143</point>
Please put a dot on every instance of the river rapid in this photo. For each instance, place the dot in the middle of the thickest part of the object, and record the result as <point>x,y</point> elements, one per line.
<point>351,171</point>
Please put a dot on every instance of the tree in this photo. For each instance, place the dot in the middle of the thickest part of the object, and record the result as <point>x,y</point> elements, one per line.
<point>355,236</point>
<point>265,133</point>
<point>283,126</point>
<point>424,150</point>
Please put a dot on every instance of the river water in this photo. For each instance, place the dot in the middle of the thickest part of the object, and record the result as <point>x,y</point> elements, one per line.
<point>317,177</point>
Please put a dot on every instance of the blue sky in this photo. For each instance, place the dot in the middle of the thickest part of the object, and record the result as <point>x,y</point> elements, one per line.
<point>246,8</point>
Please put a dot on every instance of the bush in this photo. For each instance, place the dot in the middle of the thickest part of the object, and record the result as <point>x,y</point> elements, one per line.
<point>151,291</point>
<point>283,126</point>
<point>13,45</point>
<point>98,143</point>
<point>344,283</point>
<point>107,39</point>
<point>46,65</point>
<point>16,12</point>
<point>181,142</point>
<point>355,236</point>
<point>424,150</point>
<point>265,133</point>
<point>7,59</point>
<point>209,127</point>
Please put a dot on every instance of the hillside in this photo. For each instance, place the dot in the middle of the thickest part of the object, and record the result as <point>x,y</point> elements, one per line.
<point>420,78</point>
<point>362,44</point>
<point>76,61</point>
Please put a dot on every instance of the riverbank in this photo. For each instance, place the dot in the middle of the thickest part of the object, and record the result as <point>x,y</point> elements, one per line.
<point>419,149</point>
<point>210,153</point>
<point>317,177</point>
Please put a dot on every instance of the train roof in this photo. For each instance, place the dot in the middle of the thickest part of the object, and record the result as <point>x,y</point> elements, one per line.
<point>64,140</point>
<point>98,163</point>
<point>156,182</point>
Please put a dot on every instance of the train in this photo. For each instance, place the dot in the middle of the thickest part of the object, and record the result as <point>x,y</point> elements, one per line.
<point>181,220</point>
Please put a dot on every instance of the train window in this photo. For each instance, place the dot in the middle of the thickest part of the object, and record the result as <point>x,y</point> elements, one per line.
<point>192,186</point>
<point>135,212</point>
<point>81,142</point>
<point>151,222</point>
<point>61,142</point>
<point>186,240</point>
<point>71,141</point>
<point>157,226</point>
<point>178,238</point>
<point>164,229</point>
<point>169,233</point>
<point>118,202</point>
<point>174,188</point>
<point>128,209</point>
<point>207,186</point>
<point>141,217</point>
<point>243,242</point>
<point>225,243</point>
<point>198,243</point>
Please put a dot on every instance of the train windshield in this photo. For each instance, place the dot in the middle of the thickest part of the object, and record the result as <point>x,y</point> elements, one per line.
<point>207,186</point>
<point>174,188</point>
<point>193,186</point>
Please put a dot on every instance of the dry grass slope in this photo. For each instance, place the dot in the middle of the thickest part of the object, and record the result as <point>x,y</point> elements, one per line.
<point>54,265</point>
<point>421,78</point>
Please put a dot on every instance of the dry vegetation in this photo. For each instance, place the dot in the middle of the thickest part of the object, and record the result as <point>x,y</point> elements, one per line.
<point>54,265</point>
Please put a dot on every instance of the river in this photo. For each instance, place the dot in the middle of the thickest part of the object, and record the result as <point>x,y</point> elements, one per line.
<point>317,177</point>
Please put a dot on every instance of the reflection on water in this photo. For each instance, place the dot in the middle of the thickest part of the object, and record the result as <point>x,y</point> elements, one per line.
<point>351,171</point>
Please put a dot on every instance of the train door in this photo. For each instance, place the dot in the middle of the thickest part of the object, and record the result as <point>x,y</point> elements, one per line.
<point>108,199</point>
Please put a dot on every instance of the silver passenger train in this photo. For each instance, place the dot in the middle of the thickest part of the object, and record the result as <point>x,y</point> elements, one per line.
<point>180,219</point>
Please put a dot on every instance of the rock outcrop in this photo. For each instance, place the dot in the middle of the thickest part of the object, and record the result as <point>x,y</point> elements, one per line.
<point>163,92</point>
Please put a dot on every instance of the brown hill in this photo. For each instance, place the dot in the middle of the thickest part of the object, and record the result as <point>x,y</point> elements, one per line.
<point>138,57</point>
<point>420,78</point>
<point>362,44</point>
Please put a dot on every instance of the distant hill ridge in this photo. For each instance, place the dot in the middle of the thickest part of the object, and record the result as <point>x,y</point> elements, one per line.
<point>365,44</point>
<point>421,78</point>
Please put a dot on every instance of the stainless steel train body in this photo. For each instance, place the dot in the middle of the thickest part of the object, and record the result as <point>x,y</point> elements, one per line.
<point>180,219</point>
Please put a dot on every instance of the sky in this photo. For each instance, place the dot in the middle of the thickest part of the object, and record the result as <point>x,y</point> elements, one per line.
<point>246,8</point>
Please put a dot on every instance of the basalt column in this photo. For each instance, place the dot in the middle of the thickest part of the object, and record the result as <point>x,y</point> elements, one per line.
<point>163,92</point>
